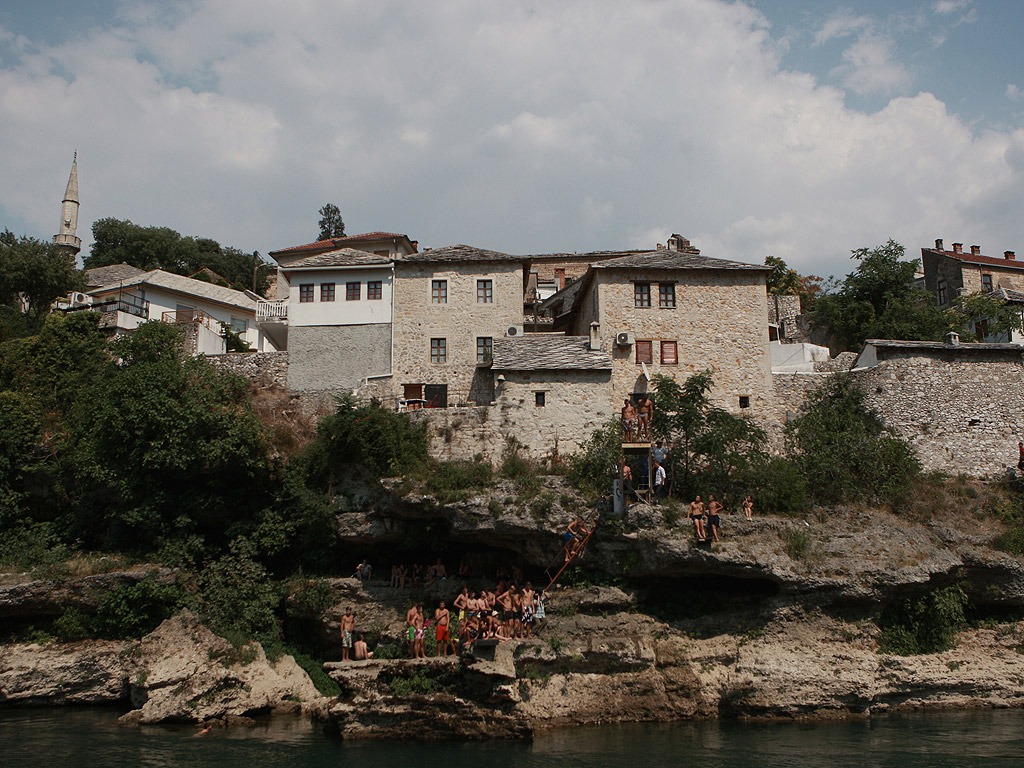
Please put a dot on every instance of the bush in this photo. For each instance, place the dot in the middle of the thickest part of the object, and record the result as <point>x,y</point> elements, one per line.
<point>777,485</point>
<point>448,480</point>
<point>927,624</point>
<point>591,469</point>
<point>134,610</point>
<point>1011,540</point>
<point>798,543</point>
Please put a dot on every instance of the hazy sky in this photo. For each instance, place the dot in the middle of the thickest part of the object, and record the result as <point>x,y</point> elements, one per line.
<point>795,128</point>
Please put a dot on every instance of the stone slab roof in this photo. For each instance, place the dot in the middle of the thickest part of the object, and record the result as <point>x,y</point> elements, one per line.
<point>157,278</point>
<point>344,257</point>
<point>114,273</point>
<point>666,259</point>
<point>460,253</point>
<point>967,347</point>
<point>547,353</point>
<point>1007,294</point>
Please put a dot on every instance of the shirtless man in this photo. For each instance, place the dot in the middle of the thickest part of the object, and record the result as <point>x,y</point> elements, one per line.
<point>644,414</point>
<point>410,623</point>
<point>573,537</point>
<point>696,514</point>
<point>348,625</point>
<point>361,651</point>
<point>505,601</point>
<point>528,598</point>
<point>714,508</point>
<point>419,636</point>
<point>462,603</point>
<point>628,419</point>
<point>441,618</point>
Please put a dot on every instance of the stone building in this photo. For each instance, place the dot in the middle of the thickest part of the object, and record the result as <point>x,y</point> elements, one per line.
<point>450,305</point>
<point>949,274</point>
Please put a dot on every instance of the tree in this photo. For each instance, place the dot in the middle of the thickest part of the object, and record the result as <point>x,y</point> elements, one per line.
<point>976,315</point>
<point>781,281</point>
<point>32,275</point>
<point>879,300</point>
<point>331,223</point>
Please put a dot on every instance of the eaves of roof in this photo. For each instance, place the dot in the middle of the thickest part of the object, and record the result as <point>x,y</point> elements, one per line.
<point>970,258</point>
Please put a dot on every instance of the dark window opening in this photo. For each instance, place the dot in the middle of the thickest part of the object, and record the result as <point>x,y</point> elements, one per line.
<point>744,401</point>
<point>539,399</point>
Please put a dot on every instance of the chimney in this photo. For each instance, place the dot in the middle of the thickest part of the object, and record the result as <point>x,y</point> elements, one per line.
<point>560,276</point>
<point>595,340</point>
<point>415,245</point>
<point>975,250</point>
<point>953,338</point>
<point>1008,255</point>
<point>938,245</point>
<point>661,247</point>
<point>958,247</point>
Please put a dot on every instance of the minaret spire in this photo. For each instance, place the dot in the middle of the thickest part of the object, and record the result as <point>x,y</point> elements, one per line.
<point>66,239</point>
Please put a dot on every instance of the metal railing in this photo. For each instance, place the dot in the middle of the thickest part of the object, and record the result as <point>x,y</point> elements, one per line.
<point>191,316</point>
<point>271,310</point>
<point>137,307</point>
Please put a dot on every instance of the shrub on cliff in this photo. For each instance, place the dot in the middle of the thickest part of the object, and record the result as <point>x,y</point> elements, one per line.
<point>927,624</point>
<point>844,450</point>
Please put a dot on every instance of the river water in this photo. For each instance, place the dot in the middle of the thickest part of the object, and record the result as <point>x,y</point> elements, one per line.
<point>94,739</point>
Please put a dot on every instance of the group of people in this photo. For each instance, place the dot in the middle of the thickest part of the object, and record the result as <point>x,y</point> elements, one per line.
<point>419,576</point>
<point>352,645</point>
<point>636,419</point>
<point>706,518</point>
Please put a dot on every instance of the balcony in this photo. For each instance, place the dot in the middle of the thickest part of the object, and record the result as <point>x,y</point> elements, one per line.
<point>271,311</point>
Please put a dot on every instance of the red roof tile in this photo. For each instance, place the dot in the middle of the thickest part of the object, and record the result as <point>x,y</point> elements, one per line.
<point>970,258</point>
<point>339,242</point>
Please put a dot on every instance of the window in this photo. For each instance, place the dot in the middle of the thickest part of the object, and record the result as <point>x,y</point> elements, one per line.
<point>484,292</point>
<point>439,350</point>
<point>326,291</point>
<point>667,295</point>
<point>352,291</point>
<point>668,353</point>
<point>986,282</point>
<point>483,349</point>
<point>439,291</point>
<point>305,293</point>
<point>239,325</point>
<point>375,290</point>
<point>942,292</point>
<point>744,401</point>
<point>981,330</point>
<point>539,398</point>
<point>641,295</point>
<point>644,352</point>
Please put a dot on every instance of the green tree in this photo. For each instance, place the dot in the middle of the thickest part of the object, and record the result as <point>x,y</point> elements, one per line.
<point>845,451</point>
<point>707,445</point>
<point>782,280</point>
<point>878,300</point>
<point>975,312</point>
<point>33,274</point>
<point>331,223</point>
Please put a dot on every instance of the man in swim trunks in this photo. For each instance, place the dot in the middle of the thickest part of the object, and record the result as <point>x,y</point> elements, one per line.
<point>441,617</point>
<point>644,414</point>
<point>714,508</point>
<point>573,537</point>
<point>348,625</point>
<point>696,514</point>
<point>628,419</point>
<point>410,623</point>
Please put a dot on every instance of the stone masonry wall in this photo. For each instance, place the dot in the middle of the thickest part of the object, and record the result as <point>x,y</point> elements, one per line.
<point>782,307</point>
<point>961,417</point>
<point>263,368</point>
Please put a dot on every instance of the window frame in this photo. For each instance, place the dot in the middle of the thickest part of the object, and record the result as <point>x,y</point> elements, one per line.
<point>438,291</point>
<point>650,351</point>
<point>374,290</point>
<point>666,295</point>
<point>986,282</point>
<point>641,295</point>
<point>540,398</point>
<point>353,291</point>
<point>485,291</point>
<point>306,293</point>
<point>327,291</point>
<point>439,350</point>
<point>674,345</point>
<point>941,290</point>
<point>485,351</point>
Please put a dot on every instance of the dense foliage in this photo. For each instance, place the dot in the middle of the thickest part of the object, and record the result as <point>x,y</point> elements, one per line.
<point>32,274</point>
<point>331,223</point>
<point>926,624</point>
<point>116,241</point>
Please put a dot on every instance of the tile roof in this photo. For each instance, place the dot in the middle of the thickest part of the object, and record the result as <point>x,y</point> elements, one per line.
<point>666,259</point>
<point>343,257</point>
<point>157,278</point>
<point>340,242</point>
<point>100,276</point>
<point>992,261</point>
<point>460,253</point>
<point>544,352</point>
<point>961,347</point>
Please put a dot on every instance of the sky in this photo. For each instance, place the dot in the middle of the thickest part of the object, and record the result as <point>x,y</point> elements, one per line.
<point>794,128</point>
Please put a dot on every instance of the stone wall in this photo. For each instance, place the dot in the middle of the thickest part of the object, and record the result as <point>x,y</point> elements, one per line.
<point>263,368</point>
<point>960,416</point>
<point>337,357</point>
<point>782,307</point>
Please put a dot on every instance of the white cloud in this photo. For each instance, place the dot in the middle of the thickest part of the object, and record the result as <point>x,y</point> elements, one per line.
<point>950,6</point>
<point>841,24</point>
<point>586,124</point>
<point>1012,92</point>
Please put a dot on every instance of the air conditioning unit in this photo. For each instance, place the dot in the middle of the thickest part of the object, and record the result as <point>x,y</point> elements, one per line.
<point>80,299</point>
<point>624,338</point>
<point>514,330</point>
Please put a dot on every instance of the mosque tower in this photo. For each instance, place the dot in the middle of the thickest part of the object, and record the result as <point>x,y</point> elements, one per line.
<point>66,239</point>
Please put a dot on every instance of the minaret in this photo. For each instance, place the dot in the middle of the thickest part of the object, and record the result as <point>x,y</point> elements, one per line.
<point>66,239</point>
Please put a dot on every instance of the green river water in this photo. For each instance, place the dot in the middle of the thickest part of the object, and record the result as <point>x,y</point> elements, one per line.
<point>94,739</point>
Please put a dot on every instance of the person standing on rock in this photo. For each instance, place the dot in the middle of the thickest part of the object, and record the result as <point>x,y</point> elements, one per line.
<point>660,487</point>
<point>696,514</point>
<point>348,625</point>
<point>410,623</point>
<point>714,509</point>
<point>420,635</point>
<point>441,618</point>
